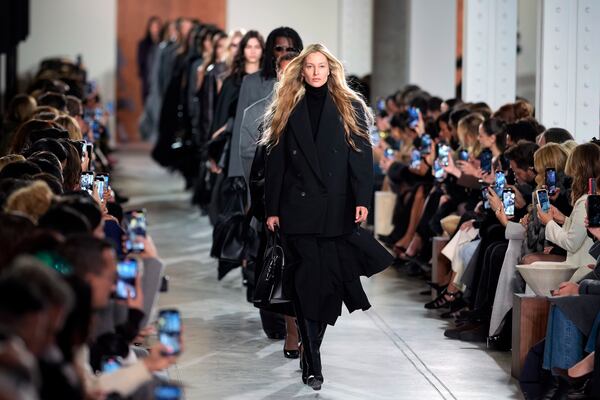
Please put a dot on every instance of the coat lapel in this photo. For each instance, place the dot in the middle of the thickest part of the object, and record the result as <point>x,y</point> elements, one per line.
<point>300,123</point>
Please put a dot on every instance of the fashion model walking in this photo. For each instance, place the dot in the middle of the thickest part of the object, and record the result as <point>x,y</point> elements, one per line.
<point>318,186</point>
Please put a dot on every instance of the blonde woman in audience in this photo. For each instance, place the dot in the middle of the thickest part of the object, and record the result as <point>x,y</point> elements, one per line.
<point>70,125</point>
<point>569,232</point>
<point>32,201</point>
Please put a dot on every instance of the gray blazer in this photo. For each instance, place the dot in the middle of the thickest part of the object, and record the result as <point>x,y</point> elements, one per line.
<point>249,133</point>
<point>254,87</point>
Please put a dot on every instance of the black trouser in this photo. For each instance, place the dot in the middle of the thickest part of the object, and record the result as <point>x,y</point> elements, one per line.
<point>490,274</point>
<point>311,335</point>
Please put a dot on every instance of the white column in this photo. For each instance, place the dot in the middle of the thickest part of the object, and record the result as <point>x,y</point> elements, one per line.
<point>568,83</point>
<point>432,46</point>
<point>489,51</point>
<point>355,36</point>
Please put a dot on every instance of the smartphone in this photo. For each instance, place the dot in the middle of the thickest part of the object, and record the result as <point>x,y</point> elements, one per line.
<point>463,155</point>
<point>86,182</point>
<point>89,148</point>
<point>110,364</point>
<point>425,144</point>
<point>389,154</point>
<point>484,195</point>
<point>438,171</point>
<point>413,117</point>
<point>135,224</point>
<point>500,183</point>
<point>127,271</point>
<point>167,391</point>
<point>543,199</point>
<point>415,159</point>
<point>99,188</point>
<point>485,159</point>
<point>593,210</point>
<point>508,200</point>
<point>551,181</point>
<point>443,151</point>
<point>105,177</point>
<point>169,330</point>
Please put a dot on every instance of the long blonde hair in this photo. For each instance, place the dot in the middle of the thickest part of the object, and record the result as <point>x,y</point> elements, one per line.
<point>550,155</point>
<point>290,90</point>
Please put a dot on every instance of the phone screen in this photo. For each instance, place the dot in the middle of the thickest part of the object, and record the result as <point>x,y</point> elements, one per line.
<point>486,161</point>
<point>389,154</point>
<point>415,159</point>
<point>169,330</point>
<point>443,154</point>
<point>425,144</point>
<point>508,200</point>
<point>167,392</point>
<point>99,187</point>
<point>110,364</point>
<point>463,155</point>
<point>136,227</point>
<point>543,200</point>
<point>87,181</point>
<point>593,210</point>
<point>438,171</point>
<point>484,197</point>
<point>127,271</point>
<point>413,117</point>
<point>551,181</point>
<point>500,183</point>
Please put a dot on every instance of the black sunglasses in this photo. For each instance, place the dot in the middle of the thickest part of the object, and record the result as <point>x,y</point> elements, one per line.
<point>282,48</point>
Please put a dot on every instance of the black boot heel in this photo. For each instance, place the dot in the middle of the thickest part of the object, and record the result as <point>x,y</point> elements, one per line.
<point>315,382</point>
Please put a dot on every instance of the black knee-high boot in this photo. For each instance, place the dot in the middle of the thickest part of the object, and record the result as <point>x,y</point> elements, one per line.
<point>315,332</point>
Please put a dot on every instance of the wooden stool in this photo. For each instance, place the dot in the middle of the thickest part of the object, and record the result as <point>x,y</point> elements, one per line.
<point>440,265</point>
<point>529,320</point>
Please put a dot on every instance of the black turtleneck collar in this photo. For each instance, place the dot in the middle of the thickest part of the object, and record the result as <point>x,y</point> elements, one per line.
<point>315,99</point>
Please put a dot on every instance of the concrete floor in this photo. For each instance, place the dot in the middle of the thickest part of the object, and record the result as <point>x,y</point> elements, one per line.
<point>396,350</point>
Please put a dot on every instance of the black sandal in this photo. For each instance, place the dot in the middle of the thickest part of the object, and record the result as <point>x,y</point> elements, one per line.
<point>442,302</point>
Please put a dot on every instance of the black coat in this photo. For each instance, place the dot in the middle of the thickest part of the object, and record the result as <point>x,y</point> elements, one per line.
<point>314,186</point>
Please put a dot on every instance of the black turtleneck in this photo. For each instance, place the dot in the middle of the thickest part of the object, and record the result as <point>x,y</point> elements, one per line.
<point>315,99</point>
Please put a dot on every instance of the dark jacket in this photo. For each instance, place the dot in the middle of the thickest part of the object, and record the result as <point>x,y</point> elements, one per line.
<point>583,309</point>
<point>314,186</point>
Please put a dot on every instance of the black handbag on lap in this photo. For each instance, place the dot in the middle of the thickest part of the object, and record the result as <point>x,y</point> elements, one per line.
<point>269,287</point>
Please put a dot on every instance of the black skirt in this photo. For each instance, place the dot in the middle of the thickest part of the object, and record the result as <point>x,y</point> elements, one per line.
<point>326,272</point>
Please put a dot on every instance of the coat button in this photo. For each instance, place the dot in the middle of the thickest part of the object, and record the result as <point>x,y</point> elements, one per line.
<point>329,174</point>
<point>294,152</point>
<point>334,150</point>
<point>303,194</point>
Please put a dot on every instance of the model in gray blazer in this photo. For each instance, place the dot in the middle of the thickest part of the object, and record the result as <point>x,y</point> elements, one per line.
<point>250,133</point>
<point>254,87</point>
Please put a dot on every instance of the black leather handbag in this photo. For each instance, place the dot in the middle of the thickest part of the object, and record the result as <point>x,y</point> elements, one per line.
<point>269,287</point>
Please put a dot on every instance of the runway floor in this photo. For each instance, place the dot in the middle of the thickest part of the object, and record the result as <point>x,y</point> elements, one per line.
<point>396,350</point>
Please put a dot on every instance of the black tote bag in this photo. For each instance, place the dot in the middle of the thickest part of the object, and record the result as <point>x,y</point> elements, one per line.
<point>269,287</point>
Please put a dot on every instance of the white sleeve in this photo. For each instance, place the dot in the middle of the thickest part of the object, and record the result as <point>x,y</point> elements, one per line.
<point>570,239</point>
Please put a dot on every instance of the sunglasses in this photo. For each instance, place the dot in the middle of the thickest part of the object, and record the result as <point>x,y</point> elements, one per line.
<point>282,48</point>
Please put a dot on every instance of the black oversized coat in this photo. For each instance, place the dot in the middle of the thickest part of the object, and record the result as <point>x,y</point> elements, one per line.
<point>315,185</point>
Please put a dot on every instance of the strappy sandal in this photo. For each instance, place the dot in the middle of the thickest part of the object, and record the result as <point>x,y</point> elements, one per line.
<point>442,302</point>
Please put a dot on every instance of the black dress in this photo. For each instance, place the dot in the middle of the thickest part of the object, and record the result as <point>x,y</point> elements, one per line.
<point>314,182</point>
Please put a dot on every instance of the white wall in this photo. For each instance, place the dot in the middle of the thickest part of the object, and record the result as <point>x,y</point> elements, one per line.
<point>71,27</point>
<point>432,46</point>
<point>527,21</point>
<point>343,26</point>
